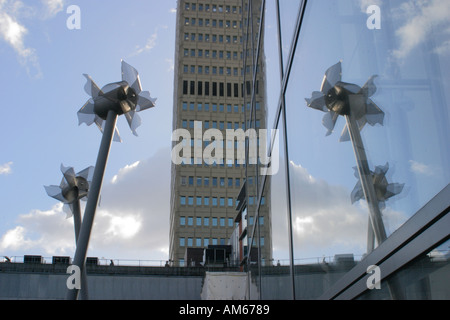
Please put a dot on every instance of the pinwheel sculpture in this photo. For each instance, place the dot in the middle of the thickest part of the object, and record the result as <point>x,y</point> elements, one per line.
<point>383,189</point>
<point>73,188</point>
<point>125,97</point>
<point>338,98</point>
<point>105,105</point>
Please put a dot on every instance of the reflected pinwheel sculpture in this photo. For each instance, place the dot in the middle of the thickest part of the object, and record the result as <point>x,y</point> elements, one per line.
<point>338,98</point>
<point>125,98</point>
<point>73,187</point>
<point>383,189</point>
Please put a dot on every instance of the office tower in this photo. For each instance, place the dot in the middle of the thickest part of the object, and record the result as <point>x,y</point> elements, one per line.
<point>209,94</point>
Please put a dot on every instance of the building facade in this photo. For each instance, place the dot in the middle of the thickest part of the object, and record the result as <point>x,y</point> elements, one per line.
<point>211,100</point>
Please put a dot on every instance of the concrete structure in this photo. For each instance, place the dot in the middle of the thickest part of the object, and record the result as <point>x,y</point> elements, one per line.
<point>210,93</point>
<point>427,279</point>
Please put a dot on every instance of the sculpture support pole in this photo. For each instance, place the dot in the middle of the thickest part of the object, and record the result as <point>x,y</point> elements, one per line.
<point>376,225</point>
<point>77,224</point>
<point>365,177</point>
<point>94,193</point>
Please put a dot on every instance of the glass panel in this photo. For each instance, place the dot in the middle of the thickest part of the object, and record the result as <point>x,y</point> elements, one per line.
<point>370,142</point>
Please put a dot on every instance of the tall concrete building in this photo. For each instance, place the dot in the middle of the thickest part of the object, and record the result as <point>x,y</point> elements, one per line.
<point>212,88</point>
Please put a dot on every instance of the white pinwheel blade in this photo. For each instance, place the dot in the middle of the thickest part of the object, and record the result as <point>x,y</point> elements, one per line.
<point>86,114</point>
<point>69,175</point>
<point>145,101</point>
<point>345,135</point>
<point>370,88</point>
<point>317,101</point>
<point>67,209</point>
<point>131,76</point>
<point>91,87</point>
<point>357,193</point>
<point>134,121</point>
<point>54,192</point>
<point>100,123</point>
<point>329,121</point>
<point>332,76</point>
<point>87,173</point>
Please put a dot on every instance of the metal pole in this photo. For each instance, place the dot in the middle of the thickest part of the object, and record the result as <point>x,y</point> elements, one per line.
<point>376,225</point>
<point>77,224</point>
<point>94,193</point>
<point>365,177</point>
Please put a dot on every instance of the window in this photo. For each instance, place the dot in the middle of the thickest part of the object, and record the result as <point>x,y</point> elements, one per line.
<point>214,201</point>
<point>206,221</point>
<point>222,202</point>
<point>190,221</point>
<point>190,242</point>
<point>191,201</point>
<point>198,222</point>
<point>222,222</point>
<point>198,242</point>
<point>183,200</point>
<point>182,242</point>
<point>199,201</point>
<point>182,221</point>
<point>214,222</point>
<point>230,202</point>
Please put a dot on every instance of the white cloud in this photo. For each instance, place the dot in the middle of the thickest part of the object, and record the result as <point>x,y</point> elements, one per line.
<point>173,10</point>
<point>53,7</point>
<point>6,168</point>
<point>151,42</point>
<point>420,168</point>
<point>323,217</point>
<point>13,33</point>
<point>132,221</point>
<point>422,18</point>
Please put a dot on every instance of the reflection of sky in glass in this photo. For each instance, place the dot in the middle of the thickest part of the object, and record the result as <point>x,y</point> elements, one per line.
<point>409,54</point>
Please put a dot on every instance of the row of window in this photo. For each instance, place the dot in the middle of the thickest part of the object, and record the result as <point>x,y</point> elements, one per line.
<point>212,8</point>
<point>212,23</point>
<point>214,222</point>
<point>190,124</point>
<point>205,242</point>
<point>216,89</point>
<point>214,201</point>
<point>207,181</point>
<point>207,201</point>
<point>213,70</point>
<point>192,106</point>
<point>210,53</point>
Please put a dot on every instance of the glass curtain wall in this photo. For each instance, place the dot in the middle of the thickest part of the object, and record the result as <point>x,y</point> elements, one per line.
<point>358,91</point>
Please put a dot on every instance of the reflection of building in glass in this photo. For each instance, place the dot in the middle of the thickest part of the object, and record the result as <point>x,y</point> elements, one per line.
<point>407,108</point>
<point>212,93</point>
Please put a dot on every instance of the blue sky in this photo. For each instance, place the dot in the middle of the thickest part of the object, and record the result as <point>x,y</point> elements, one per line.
<point>42,63</point>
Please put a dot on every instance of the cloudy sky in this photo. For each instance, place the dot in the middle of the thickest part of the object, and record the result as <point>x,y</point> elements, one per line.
<point>42,65</point>
<point>42,62</point>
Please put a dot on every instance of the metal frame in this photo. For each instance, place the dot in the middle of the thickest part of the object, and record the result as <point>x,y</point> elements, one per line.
<point>428,228</point>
